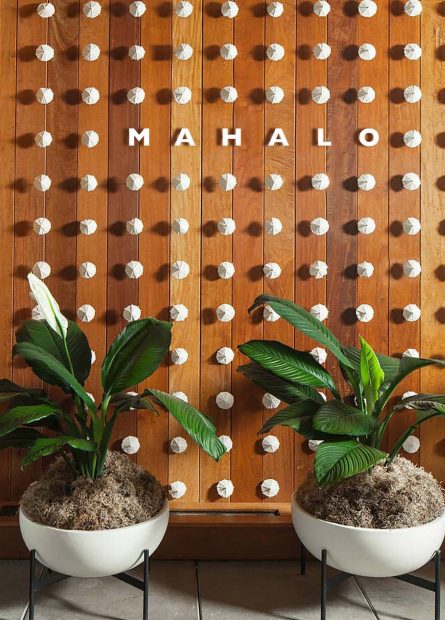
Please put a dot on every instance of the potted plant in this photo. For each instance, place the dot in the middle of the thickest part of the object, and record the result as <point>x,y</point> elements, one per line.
<point>373,511</point>
<point>94,511</point>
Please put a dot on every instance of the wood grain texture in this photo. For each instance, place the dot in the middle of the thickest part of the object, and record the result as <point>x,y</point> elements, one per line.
<point>187,204</point>
<point>8,64</point>
<point>93,205</point>
<point>281,204</point>
<point>123,204</point>
<point>432,434</point>
<point>310,204</point>
<point>30,161</point>
<point>403,116</point>
<point>154,243</point>
<point>343,67</point>
<point>248,255</point>
<point>216,247</point>
<point>374,160</point>
<point>160,31</point>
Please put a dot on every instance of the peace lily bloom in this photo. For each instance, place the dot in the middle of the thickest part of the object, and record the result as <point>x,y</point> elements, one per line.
<point>49,307</point>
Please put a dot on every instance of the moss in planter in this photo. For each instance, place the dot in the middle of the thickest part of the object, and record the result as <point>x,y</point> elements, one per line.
<point>126,494</point>
<point>400,495</point>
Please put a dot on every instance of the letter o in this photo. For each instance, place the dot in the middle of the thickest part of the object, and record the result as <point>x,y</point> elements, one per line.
<point>363,136</point>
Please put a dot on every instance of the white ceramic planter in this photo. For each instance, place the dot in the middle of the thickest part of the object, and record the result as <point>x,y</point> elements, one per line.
<point>366,551</point>
<point>99,553</point>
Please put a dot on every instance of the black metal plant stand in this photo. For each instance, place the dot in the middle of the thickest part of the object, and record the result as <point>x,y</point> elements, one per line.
<point>327,584</point>
<point>49,577</point>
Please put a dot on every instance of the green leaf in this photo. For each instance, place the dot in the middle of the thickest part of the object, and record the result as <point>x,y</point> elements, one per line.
<point>337,460</point>
<point>54,371</point>
<point>371,375</point>
<point>42,335</point>
<point>197,425</point>
<point>79,351</point>
<point>23,415</point>
<point>304,322</point>
<point>49,445</point>
<point>20,438</point>
<point>338,418</point>
<point>423,402</point>
<point>287,363</point>
<point>406,365</point>
<point>389,365</point>
<point>284,390</point>
<point>135,354</point>
<point>297,416</point>
<point>10,390</point>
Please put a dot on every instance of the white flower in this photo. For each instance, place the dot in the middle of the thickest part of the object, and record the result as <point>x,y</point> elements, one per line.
<point>49,308</point>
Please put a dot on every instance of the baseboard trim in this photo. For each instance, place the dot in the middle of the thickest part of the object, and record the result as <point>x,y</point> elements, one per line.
<point>204,532</point>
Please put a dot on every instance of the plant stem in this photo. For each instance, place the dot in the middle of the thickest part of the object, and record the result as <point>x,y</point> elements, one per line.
<point>409,431</point>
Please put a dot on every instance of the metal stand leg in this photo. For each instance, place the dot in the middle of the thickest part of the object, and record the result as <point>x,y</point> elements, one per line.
<point>32,586</point>
<point>302,559</point>
<point>324,585</point>
<point>146,582</point>
<point>437,587</point>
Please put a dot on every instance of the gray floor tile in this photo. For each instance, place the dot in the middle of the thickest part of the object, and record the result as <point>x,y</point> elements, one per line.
<point>172,595</point>
<point>396,600</point>
<point>258,590</point>
<point>13,588</point>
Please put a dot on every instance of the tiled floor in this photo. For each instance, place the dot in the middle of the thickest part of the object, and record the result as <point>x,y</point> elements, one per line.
<point>226,591</point>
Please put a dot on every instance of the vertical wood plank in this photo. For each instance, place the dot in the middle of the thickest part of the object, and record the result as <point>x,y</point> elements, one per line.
<point>374,160</point>
<point>8,63</point>
<point>123,204</point>
<point>184,159</point>
<point>342,169</point>
<point>154,241</point>
<point>432,434</point>
<point>281,204</point>
<point>310,204</point>
<point>216,204</point>
<point>248,245</point>
<point>30,161</point>
<point>93,205</point>
<point>403,116</point>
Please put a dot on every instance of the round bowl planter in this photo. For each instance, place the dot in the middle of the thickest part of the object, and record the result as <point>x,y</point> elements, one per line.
<point>94,553</point>
<point>365,551</point>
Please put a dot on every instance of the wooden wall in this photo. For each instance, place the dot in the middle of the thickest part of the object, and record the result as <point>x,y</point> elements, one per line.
<point>160,31</point>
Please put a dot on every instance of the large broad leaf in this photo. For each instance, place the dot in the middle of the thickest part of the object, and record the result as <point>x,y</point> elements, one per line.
<point>406,365</point>
<point>338,418</point>
<point>20,438</point>
<point>10,390</point>
<point>23,415</point>
<point>135,354</point>
<point>423,402</point>
<point>197,425</point>
<point>298,416</point>
<point>52,371</point>
<point>389,365</point>
<point>337,460</point>
<point>79,351</point>
<point>371,375</point>
<point>305,322</point>
<point>49,445</point>
<point>280,388</point>
<point>287,363</point>
<point>42,335</point>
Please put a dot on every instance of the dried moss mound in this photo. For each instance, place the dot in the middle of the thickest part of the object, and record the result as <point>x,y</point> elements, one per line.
<point>126,494</point>
<point>400,495</point>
